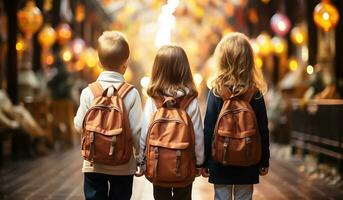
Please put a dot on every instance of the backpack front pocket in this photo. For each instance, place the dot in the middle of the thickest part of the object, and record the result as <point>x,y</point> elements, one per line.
<point>169,163</point>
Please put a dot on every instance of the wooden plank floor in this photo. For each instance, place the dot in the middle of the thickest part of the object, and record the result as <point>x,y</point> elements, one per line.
<point>58,176</point>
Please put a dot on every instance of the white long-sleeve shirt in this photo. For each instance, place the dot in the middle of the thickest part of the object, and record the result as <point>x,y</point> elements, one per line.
<point>193,111</point>
<point>133,105</point>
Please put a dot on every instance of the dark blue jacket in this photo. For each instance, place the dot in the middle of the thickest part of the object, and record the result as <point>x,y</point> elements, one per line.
<point>220,174</point>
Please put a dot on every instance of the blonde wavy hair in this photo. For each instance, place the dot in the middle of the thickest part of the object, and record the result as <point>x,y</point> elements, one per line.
<point>234,58</point>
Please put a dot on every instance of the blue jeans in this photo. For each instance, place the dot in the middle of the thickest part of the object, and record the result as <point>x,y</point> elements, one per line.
<point>107,187</point>
<point>238,192</point>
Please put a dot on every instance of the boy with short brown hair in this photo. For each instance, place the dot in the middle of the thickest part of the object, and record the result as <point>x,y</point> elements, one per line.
<point>105,181</point>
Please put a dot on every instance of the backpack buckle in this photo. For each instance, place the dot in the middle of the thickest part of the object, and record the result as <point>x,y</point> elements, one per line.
<point>178,160</point>
<point>113,145</point>
<point>226,145</point>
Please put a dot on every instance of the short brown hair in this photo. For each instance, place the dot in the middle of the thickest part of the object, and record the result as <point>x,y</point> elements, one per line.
<point>171,72</point>
<point>113,49</point>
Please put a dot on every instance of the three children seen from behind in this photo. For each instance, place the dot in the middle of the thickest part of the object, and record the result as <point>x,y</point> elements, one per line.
<point>169,144</point>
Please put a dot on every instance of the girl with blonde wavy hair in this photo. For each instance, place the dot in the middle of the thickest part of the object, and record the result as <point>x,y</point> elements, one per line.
<point>238,74</point>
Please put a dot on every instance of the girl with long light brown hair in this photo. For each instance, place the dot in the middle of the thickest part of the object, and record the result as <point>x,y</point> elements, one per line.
<point>237,76</point>
<point>172,77</point>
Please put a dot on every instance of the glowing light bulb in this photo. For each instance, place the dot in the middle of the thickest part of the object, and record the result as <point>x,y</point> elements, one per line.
<point>197,79</point>
<point>309,69</point>
<point>67,55</point>
<point>293,64</point>
<point>145,81</point>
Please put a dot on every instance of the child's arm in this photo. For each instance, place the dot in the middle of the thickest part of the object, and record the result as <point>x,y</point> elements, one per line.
<point>262,122</point>
<point>195,115</point>
<point>149,110</point>
<point>85,101</point>
<point>135,117</point>
<point>211,115</point>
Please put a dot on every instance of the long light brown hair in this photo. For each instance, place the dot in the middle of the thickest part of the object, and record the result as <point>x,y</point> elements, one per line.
<point>235,60</point>
<point>171,72</point>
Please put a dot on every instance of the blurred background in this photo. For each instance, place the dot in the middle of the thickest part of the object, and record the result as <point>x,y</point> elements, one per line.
<point>48,54</point>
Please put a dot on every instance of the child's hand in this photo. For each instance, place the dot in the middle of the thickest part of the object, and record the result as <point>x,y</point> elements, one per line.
<point>264,171</point>
<point>205,172</point>
<point>139,170</point>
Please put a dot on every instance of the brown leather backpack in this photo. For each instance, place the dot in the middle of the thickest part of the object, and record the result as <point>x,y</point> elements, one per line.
<point>236,137</point>
<point>170,146</point>
<point>106,137</point>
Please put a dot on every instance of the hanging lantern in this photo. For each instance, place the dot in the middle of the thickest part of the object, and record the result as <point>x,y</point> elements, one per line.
<point>325,16</point>
<point>299,35</point>
<point>79,12</point>
<point>280,24</point>
<point>77,46</point>
<point>265,44</point>
<point>30,19</point>
<point>47,36</point>
<point>279,45</point>
<point>63,33</point>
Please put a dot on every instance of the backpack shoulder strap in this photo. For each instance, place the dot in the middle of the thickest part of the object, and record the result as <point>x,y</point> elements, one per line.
<point>158,100</point>
<point>124,89</point>
<point>96,88</point>
<point>249,94</point>
<point>186,101</point>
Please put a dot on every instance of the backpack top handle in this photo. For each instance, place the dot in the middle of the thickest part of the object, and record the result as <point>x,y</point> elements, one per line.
<point>169,102</point>
<point>247,96</point>
<point>122,90</point>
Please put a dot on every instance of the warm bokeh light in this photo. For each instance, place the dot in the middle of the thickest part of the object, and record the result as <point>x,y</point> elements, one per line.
<point>48,58</point>
<point>299,35</point>
<point>145,81</point>
<point>309,69</point>
<point>47,36</point>
<point>326,15</point>
<point>90,57</point>
<point>197,79</point>
<point>128,74</point>
<point>293,64</point>
<point>30,19</point>
<point>80,12</point>
<point>77,46</point>
<point>265,44</point>
<point>63,33</point>
<point>258,62</point>
<point>280,24</point>
<point>20,45</point>
<point>66,55</point>
<point>166,22</point>
<point>255,46</point>
<point>279,45</point>
<point>265,1</point>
